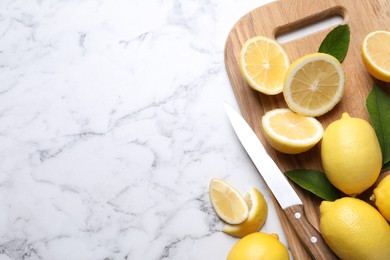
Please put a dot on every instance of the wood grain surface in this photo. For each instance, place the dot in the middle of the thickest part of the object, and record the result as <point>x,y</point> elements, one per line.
<point>284,16</point>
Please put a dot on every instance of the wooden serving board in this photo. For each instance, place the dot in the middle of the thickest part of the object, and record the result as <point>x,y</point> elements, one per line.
<point>287,15</point>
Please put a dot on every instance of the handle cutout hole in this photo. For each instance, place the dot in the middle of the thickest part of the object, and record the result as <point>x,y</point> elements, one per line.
<point>306,27</point>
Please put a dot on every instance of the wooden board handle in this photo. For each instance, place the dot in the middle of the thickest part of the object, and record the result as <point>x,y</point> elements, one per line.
<point>305,13</point>
<point>308,235</point>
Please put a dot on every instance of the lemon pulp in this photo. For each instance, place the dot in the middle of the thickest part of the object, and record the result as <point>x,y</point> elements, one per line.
<point>314,84</point>
<point>257,216</point>
<point>376,54</point>
<point>289,132</point>
<point>263,63</point>
<point>228,203</point>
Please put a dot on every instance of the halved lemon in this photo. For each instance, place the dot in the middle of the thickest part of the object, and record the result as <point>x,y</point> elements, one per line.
<point>314,84</point>
<point>289,132</point>
<point>376,54</point>
<point>263,63</point>
<point>258,210</point>
<point>228,203</point>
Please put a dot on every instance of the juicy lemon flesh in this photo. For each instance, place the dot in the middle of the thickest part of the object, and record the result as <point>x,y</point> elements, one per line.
<point>350,154</point>
<point>264,64</point>
<point>289,132</point>
<point>376,54</point>
<point>378,48</point>
<point>293,126</point>
<point>257,216</point>
<point>228,203</point>
<point>354,229</point>
<point>314,84</point>
<point>382,197</point>
<point>259,245</point>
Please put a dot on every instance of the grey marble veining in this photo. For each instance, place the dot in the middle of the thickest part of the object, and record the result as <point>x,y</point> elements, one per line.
<point>112,126</point>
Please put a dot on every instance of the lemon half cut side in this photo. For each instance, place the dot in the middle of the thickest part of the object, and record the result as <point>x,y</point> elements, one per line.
<point>314,84</point>
<point>376,54</point>
<point>263,63</point>
<point>289,132</point>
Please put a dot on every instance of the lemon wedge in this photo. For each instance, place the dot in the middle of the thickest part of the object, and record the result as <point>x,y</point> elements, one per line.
<point>376,54</point>
<point>263,63</point>
<point>227,202</point>
<point>258,210</point>
<point>289,132</point>
<point>314,84</point>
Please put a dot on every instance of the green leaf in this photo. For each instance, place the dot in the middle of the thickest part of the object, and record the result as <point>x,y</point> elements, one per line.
<point>378,107</point>
<point>336,42</point>
<point>315,182</point>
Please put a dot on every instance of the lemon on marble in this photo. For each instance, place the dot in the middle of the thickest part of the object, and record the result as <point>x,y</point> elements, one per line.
<point>228,203</point>
<point>350,154</point>
<point>376,54</point>
<point>354,229</point>
<point>314,84</point>
<point>263,63</point>
<point>257,216</point>
<point>289,132</point>
<point>259,245</point>
<point>381,197</point>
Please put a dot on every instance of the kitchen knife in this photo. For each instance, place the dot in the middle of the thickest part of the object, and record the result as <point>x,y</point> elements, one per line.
<point>286,196</point>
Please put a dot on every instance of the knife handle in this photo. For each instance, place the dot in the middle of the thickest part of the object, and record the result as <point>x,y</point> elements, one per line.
<point>308,235</point>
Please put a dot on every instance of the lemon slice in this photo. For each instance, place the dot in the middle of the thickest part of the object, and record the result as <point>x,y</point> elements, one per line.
<point>228,203</point>
<point>314,84</point>
<point>258,210</point>
<point>376,54</point>
<point>263,63</point>
<point>289,132</point>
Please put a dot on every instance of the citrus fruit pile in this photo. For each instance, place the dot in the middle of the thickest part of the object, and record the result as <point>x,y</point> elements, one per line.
<point>352,159</point>
<point>351,155</point>
<point>311,86</point>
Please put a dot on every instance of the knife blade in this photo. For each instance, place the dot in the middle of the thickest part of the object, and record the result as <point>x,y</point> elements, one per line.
<point>286,196</point>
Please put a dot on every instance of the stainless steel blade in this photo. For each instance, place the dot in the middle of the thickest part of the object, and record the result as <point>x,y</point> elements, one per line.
<point>275,179</point>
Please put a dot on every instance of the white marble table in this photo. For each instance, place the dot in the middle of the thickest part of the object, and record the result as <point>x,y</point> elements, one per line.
<point>112,125</point>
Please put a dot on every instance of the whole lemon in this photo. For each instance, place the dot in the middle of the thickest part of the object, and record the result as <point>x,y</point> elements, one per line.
<point>351,155</point>
<point>259,246</point>
<point>382,197</point>
<point>354,229</point>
